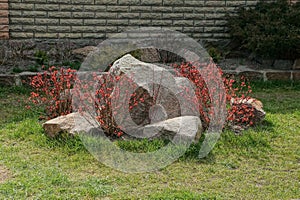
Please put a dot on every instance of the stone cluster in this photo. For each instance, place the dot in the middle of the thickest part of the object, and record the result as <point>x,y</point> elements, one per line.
<point>167,118</point>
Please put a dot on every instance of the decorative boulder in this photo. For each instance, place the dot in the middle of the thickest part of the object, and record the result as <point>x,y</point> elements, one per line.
<point>258,112</point>
<point>185,128</point>
<point>156,84</point>
<point>157,113</point>
<point>71,124</point>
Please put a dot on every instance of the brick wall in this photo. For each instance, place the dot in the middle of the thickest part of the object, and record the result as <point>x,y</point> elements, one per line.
<point>4,19</point>
<point>78,19</point>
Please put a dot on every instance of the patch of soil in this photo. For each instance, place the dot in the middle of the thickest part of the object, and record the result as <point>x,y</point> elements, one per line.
<point>4,174</point>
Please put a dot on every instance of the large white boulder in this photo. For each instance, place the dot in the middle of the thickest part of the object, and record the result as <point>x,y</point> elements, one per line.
<point>71,124</point>
<point>184,128</point>
<point>156,84</point>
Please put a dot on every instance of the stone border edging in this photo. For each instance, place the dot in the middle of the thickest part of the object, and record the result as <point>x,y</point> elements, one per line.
<point>267,75</point>
<point>263,75</point>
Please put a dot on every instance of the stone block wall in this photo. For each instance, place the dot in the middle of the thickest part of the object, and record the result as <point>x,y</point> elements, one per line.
<point>98,19</point>
<point>4,19</point>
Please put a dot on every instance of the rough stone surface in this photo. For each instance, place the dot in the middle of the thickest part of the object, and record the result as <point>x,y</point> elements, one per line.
<point>243,64</point>
<point>259,113</point>
<point>258,105</point>
<point>7,80</point>
<point>230,73</point>
<point>252,75</point>
<point>71,124</point>
<point>163,92</point>
<point>82,53</point>
<point>296,65</point>
<point>100,18</point>
<point>184,127</point>
<point>60,124</point>
<point>283,64</point>
<point>150,55</point>
<point>21,54</point>
<point>4,19</point>
<point>183,82</point>
<point>279,75</point>
<point>25,77</point>
<point>124,65</point>
<point>157,113</point>
<point>296,75</point>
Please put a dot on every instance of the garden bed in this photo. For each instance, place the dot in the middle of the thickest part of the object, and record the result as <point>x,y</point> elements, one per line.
<point>262,163</point>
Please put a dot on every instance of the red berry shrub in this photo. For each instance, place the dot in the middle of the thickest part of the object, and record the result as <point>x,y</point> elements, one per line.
<point>239,111</point>
<point>191,71</point>
<point>106,101</point>
<point>103,104</point>
<point>112,101</point>
<point>52,89</point>
<point>236,91</point>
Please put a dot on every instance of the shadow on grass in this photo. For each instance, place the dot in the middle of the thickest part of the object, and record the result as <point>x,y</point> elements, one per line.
<point>67,143</point>
<point>269,86</point>
<point>5,90</point>
<point>252,142</point>
<point>13,102</point>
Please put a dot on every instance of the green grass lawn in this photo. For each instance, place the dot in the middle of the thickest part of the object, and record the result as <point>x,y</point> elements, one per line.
<point>263,163</point>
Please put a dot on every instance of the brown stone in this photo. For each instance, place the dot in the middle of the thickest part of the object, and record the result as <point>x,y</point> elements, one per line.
<point>283,64</point>
<point>3,28</point>
<point>7,80</point>
<point>3,6</point>
<point>252,75</point>
<point>150,55</point>
<point>4,21</point>
<point>230,73</point>
<point>278,75</point>
<point>72,124</point>
<point>4,35</point>
<point>26,77</point>
<point>296,76</point>
<point>84,52</point>
<point>296,64</point>
<point>258,113</point>
<point>59,125</point>
<point>4,13</point>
